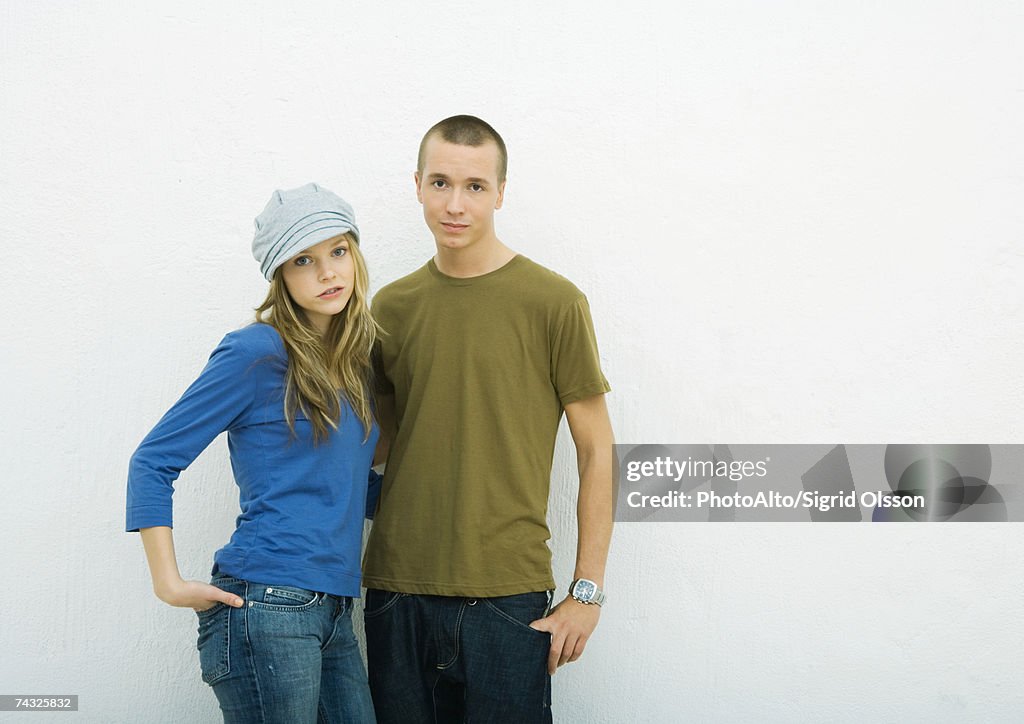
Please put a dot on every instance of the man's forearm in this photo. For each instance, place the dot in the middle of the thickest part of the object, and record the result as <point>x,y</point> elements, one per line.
<point>591,431</point>
<point>594,509</point>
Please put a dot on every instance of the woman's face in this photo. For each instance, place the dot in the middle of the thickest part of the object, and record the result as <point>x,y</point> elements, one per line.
<point>320,279</point>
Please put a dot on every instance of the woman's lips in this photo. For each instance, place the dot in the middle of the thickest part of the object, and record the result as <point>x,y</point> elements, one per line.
<point>332,293</point>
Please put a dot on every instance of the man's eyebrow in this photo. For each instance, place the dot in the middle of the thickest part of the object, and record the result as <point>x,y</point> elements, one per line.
<point>444,177</point>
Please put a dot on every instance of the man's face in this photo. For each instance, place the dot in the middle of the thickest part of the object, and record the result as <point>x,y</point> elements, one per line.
<point>459,191</point>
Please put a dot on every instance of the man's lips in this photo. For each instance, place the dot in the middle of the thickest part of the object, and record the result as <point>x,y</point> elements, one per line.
<point>331,293</point>
<point>453,226</point>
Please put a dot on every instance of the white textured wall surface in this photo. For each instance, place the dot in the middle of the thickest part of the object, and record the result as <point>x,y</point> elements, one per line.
<point>795,222</point>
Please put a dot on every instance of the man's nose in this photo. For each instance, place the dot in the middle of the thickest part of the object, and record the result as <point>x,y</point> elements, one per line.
<point>454,205</point>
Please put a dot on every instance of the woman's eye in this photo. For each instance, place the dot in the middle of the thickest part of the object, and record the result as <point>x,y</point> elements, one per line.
<point>303,261</point>
<point>340,251</point>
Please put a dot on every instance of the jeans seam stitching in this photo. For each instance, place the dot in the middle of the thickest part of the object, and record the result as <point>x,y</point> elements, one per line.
<point>334,630</point>
<point>252,659</point>
<point>284,607</point>
<point>292,595</point>
<point>458,630</point>
<point>387,606</point>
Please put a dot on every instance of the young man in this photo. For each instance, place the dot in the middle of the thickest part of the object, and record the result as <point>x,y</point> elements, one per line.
<point>483,350</point>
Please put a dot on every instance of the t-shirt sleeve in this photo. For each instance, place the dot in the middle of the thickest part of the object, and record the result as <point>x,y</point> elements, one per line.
<point>575,363</point>
<point>212,404</point>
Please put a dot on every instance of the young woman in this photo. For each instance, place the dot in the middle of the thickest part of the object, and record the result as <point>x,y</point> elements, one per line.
<point>292,392</point>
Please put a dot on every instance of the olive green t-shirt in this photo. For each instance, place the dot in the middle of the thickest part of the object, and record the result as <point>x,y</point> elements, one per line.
<point>480,369</point>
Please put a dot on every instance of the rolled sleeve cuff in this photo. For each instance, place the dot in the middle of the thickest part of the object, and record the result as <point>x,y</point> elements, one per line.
<point>147,516</point>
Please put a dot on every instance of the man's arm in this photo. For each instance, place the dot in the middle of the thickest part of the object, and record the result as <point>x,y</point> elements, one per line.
<point>571,623</point>
<point>385,413</point>
<point>386,421</point>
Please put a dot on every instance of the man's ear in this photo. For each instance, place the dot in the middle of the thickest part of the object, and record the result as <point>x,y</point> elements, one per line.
<point>419,194</point>
<point>501,195</point>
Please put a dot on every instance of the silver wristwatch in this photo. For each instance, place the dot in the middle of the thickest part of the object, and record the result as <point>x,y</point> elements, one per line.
<point>586,591</point>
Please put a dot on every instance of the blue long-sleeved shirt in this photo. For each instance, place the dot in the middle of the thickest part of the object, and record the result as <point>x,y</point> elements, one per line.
<point>302,507</point>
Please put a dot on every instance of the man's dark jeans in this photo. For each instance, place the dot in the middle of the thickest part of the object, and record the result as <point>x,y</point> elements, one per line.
<point>451,659</point>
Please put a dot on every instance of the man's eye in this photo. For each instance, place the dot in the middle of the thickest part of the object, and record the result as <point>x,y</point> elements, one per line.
<point>438,184</point>
<point>476,187</point>
<point>340,251</point>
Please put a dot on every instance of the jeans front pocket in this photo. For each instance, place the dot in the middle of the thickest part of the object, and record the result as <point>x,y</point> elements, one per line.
<point>214,642</point>
<point>521,609</point>
<point>378,601</point>
<point>286,598</point>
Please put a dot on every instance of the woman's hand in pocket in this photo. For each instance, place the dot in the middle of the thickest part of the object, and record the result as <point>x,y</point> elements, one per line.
<point>196,595</point>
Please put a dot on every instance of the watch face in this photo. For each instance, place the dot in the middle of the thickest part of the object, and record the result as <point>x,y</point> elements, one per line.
<point>584,590</point>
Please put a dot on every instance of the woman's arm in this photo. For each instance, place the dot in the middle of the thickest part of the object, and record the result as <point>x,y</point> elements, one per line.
<point>218,397</point>
<point>168,584</point>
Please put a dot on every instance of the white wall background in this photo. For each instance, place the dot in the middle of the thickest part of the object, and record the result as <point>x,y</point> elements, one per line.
<point>795,222</point>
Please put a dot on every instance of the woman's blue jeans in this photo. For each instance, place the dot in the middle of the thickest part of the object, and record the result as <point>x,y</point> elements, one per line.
<point>288,655</point>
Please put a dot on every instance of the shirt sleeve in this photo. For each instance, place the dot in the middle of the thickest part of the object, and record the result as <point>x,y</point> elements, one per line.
<point>218,398</point>
<point>575,362</point>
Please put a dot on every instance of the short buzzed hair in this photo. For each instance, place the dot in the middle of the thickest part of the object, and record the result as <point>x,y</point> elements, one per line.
<point>466,131</point>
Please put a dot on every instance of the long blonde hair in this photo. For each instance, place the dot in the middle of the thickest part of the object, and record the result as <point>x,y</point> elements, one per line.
<point>321,367</point>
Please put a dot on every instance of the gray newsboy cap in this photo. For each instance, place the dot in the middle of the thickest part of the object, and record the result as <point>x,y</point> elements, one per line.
<point>296,219</point>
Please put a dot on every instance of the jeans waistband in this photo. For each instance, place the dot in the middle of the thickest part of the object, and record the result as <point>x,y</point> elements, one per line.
<point>258,588</point>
